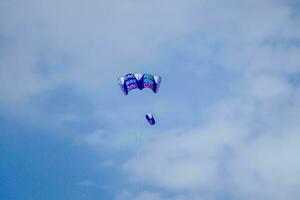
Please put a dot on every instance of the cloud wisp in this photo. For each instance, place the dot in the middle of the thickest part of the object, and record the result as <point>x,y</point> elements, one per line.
<point>229,105</point>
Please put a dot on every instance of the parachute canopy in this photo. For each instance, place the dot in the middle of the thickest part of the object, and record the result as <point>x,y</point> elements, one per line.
<point>140,81</point>
<point>150,119</point>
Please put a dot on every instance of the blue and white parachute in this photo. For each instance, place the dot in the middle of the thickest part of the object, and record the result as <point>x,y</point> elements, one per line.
<point>134,81</point>
<point>140,81</point>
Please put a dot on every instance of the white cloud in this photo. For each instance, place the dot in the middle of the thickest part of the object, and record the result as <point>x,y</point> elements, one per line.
<point>249,149</point>
<point>248,146</point>
<point>82,43</point>
<point>248,142</point>
<point>150,195</point>
<point>268,168</point>
<point>86,183</point>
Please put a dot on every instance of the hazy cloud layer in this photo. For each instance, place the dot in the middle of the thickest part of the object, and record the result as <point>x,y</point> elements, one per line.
<point>228,108</point>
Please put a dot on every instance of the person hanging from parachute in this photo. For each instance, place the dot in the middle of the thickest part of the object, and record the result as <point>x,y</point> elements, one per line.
<point>150,119</point>
<point>140,81</point>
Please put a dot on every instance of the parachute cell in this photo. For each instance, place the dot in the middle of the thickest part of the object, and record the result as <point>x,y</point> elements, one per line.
<point>133,81</point>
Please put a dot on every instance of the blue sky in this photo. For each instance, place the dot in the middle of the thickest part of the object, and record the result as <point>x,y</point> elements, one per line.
<point>227,111</point>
